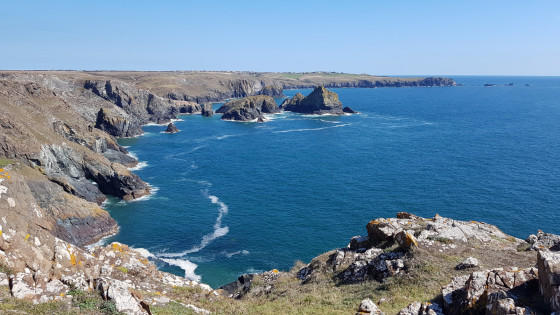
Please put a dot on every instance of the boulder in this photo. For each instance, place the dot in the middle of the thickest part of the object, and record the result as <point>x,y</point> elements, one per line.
<point>240,287</point>
<point>482,290</point>
<point>417,308</point>
<point>368,307</point>
<point>543,240</point>
<point>319,102</point>
<point>548,264</point>
<point>171,128</point>
<point>248,108</point>
<point>470,262</point>
<point>406,240</point>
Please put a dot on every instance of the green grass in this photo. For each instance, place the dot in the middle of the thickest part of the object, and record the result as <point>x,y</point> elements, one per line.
<point>5,162</point>
<point>171,309</point>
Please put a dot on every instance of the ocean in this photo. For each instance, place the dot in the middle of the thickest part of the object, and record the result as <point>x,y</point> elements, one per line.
<point>232,198</point>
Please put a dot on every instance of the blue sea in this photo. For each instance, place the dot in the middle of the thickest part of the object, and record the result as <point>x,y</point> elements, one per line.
<point>232,198</point>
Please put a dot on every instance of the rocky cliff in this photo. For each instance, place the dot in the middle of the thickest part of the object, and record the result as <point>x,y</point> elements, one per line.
<point>248,108</point>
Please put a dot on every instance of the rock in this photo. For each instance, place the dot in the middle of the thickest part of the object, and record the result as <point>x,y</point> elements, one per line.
<point>543,240</point>
<point>261,119</point>
<point>548,264</point>
<point>382,230</point>
<point>171,128</point>
<point>483,288</point>
<point>368,307</point>
<point>349,110</point>
<point>320,101</point>
<point>4,280</point>
<point>470,262</point>
<point>124,301</point>
<point>417,308</point>
<point>249,108</point>
<point>359,243</point>
<point>207,110</point>
<point>272,90</point>
<point>116,125</point>
<point>406,240</point>
<point>240,287</point>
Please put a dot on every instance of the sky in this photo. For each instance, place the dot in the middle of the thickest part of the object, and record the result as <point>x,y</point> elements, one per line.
<point>475,37</point>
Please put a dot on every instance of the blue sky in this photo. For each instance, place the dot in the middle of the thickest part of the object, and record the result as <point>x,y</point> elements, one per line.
<point>376,37</point>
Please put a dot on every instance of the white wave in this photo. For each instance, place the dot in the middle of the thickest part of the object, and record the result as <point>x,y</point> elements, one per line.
<point>153,191</point>
<point>243,252</point>
<point>224,137</point>
<point>125,146</point>
<point>318,115</point>
<point>310,129</point>
<point>102,241</point>
<point>186,265</point>
<point>144,252</point>
<point>219,230</point>
<point>138,166</point>
<point>197,148</point>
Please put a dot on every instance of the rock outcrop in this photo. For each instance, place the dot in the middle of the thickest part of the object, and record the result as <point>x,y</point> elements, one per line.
<point>207,110</point>
<point>319,102</point>
<point>548,264</point>
<point>249,108</point>
<point>171,128</point>
<point>116,125</point>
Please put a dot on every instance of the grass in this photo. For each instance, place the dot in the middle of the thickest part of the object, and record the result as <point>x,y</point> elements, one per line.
<point>91,302</point>
<point>5,162</point>
<point>171,309</point>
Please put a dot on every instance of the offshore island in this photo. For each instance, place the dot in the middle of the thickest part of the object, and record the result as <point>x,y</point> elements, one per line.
<point>59,159</point>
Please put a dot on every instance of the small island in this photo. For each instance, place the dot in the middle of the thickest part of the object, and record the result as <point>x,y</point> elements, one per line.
<point>319,102</point>
<point>250,108</point>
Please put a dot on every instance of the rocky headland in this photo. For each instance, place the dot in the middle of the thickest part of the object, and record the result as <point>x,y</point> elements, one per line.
<point>319,102</point>
<point>59,159</point>
<point>251,108</point>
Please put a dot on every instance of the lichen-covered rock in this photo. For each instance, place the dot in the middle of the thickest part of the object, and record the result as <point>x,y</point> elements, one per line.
<point>320,101</point>
<point>483,288</point>
<point>548,264</point>
<point>543,240</point>
<point>368,307</point>
<point>406,240</point>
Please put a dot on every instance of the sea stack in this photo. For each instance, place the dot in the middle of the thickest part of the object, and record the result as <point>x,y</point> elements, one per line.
<point>319,102</point>
<point>207,110</point>
<point>171,128</point>
<point>248,108</point>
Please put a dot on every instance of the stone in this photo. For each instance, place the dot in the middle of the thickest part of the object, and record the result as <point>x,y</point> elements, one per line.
<point>124,300</point>
<point>417,308</point>
<point>359,242</point>
<point>406,240</point>
<point>548,264</point>
<point>23,286</point>
<point>4,280</point>
<point>319,102</point>
<point>543,240</point>
<point>116,124</point>
<point>381,230</point>
<point>469,262</point>
<point>171,128</point>
<point>240,287</point>
<point>368,307</point>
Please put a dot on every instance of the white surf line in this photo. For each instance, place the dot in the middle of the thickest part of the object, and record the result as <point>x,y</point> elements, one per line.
<point>219,230</point>
<point>310,129</point>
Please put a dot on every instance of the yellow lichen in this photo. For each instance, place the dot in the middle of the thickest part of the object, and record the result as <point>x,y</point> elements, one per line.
<point>275,270</point>
<point>26,237</point>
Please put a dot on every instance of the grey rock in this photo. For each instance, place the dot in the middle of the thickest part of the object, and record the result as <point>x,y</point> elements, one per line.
<point>171,128</point>
<point>320,101</point>
<point>368,307</point>
<point>469,262</point>
<point>207,110</point>
<point>249,108</point>
<point>548,264</point>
